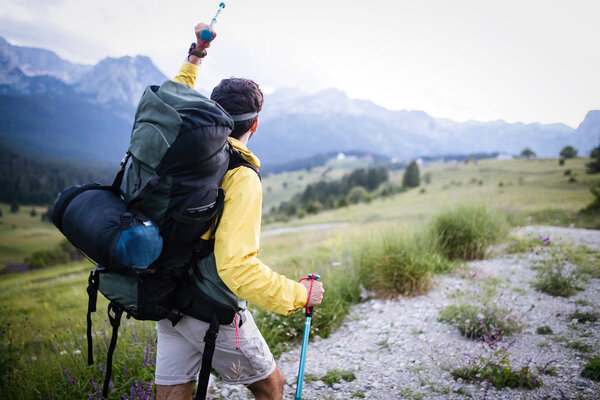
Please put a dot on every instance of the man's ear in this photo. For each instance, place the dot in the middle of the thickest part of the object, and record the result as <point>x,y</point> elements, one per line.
<point>254,126</point>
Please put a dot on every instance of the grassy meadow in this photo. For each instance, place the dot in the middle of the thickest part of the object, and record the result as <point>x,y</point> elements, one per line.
<point>391,246</point>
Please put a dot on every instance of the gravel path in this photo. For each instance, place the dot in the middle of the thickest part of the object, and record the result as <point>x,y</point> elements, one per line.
<point>398,350</point>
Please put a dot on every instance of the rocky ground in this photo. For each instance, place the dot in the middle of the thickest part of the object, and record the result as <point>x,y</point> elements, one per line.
<point>398,350</point>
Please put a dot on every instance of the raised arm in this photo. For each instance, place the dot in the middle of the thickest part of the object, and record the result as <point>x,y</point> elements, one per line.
<point>189,70</point>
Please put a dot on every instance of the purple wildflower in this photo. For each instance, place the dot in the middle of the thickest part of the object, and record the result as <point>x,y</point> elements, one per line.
<point>547,240</point>
<point>69,376</point>
<point>146,357</point>
<point>125,373</point>
<point>541,237</point>
<point>515,243</point>
<point>101,367</point>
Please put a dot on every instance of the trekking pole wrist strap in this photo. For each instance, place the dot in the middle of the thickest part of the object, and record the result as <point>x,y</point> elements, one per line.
<point>312,280</point>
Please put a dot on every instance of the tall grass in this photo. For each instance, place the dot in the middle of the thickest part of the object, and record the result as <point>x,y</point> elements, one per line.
<point>465,232</point>
<point>396,263</point>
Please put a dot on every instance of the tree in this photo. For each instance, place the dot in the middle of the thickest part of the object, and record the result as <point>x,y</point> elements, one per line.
<point>14,206</point>
<point>33,213</point>
<point>568,152</point>
<point>411,176</point>
<point>528,153</point>
<point>593,167</point>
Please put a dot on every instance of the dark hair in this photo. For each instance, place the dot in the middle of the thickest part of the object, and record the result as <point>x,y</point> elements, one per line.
<point>238,96</point>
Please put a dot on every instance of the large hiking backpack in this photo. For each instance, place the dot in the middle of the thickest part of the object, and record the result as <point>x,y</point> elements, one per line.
<point>171,178</point>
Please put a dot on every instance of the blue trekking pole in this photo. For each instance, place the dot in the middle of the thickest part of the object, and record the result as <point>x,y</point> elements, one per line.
<point>308,318</point>
<point>206,35</point>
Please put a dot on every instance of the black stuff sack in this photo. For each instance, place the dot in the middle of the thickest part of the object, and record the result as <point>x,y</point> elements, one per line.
<point>96,220</point>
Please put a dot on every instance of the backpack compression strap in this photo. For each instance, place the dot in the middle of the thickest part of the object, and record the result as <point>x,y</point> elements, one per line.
<point>210,340</point>
<point>115,321</point>
<point>92,291</point>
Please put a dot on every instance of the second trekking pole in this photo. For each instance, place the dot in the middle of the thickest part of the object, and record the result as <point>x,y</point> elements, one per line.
<point>307,320</point>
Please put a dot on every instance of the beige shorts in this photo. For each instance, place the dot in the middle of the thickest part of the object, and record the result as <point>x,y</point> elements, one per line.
<point>179,352</point>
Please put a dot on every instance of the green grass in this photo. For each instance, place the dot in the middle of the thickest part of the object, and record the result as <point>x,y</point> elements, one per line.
<point>527,245</point>
<point>544,330</point>
<point>465,232</point>
<point>393,262</point>
<point>336,376</point>
<point>474,321</point>
<point>555,277</point>
<point>584,316</point>
<point>591,370</point>
<point>21,234</point>
<point>43,332</point>
<point>580,346</point>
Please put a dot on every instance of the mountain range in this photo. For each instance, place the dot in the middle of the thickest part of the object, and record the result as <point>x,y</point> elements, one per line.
<point>53,108</point>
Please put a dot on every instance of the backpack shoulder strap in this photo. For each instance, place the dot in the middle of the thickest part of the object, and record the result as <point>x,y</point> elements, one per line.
<point>237,160</point>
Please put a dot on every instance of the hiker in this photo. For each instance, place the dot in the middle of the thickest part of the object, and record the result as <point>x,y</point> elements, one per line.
<point>232,274</point>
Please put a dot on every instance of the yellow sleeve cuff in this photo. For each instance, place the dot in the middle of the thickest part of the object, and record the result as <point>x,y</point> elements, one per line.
<point>187,74</point>
<point>301,296</point>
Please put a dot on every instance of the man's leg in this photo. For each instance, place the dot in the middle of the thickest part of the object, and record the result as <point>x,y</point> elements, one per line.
<point>270,388</point>
<point>182,391</point>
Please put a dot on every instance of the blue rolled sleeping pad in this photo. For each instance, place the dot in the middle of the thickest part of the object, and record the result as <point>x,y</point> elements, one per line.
<point>97,221</point>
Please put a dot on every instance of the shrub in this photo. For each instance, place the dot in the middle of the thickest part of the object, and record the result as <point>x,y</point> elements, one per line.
<point>47,258</point>
<point>567,172</point>
<point>561,161</point>
<point>465,232</point>
<point>393,263</point>
<point>544,330</point>
<point>592,369</point>
<point>584,316</point>
<point>580,346</point>
<point>357,194</point>
<point>473,321</point>
<point>494,367</point>
<point>336,376</point>
<point>594,206</point>
<point>314,207</point>
<point>555,280</point>
<point>529,244</point>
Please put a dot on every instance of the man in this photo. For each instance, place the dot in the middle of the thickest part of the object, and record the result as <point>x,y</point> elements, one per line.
<point>232,274</point>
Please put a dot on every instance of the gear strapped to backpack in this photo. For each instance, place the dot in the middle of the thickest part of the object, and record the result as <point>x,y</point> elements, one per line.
<point>179,154</point>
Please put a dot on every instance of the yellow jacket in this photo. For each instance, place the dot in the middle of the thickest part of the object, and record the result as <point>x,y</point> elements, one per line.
<point>237,239</point>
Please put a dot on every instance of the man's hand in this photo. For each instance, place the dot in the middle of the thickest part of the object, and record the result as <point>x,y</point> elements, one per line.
<point>199,28</point>
<point>201,43</point>
<point>316,295</point>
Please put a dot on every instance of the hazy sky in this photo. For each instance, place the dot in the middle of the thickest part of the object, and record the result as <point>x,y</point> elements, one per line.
<point>519,60</point>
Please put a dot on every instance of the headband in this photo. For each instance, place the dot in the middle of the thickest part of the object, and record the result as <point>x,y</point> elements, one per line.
<point>243,117</point>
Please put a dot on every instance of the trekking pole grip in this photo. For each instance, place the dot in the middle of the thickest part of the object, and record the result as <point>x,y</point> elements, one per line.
<point>312,277</point>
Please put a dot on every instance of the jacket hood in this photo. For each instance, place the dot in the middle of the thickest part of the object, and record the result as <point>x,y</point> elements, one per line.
<point>247,154</point>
